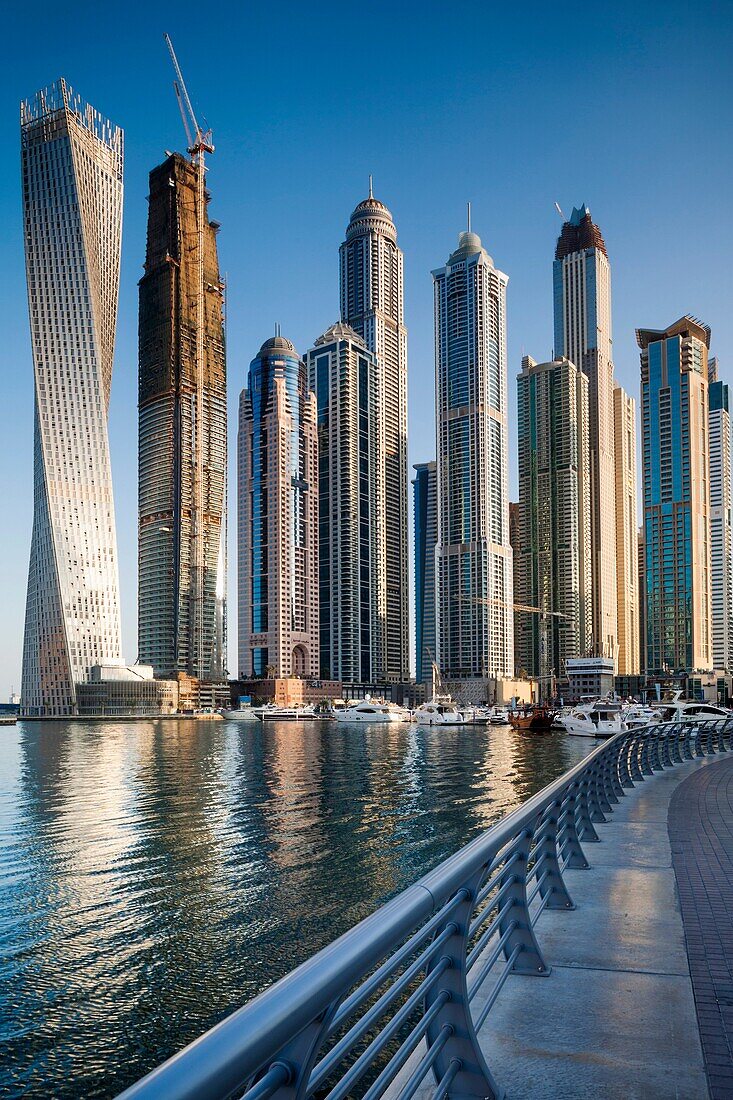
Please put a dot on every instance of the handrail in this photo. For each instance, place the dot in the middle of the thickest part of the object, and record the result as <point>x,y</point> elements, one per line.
<point>399,985</point>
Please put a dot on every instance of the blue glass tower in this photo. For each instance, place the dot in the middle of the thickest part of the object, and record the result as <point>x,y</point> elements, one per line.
<point>677,590</point>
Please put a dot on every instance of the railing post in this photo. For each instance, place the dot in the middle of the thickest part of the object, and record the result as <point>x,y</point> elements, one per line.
<point>452,1028</point>
<point>623,768</point>
<point>666,756</point>
<point>599,805</point>
<point>674,740</point>
<point>637,742</point>
<point>546,862</point>
<point>568,840</point>
<point>696,733</point>
<point>726,730</point>
<point>515,911</point>
<point>646,764</point>
<point>583,823</point>
<point>613,767</point>
<point>654,758</point>
<point>687,753</point>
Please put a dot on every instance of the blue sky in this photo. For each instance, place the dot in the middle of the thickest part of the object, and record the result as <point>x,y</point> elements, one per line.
<point>624,107</point>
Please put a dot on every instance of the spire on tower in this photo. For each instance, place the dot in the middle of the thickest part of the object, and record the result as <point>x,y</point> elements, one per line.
<point>371,186</point>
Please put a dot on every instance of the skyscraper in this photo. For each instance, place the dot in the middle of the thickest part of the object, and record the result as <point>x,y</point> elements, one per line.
<point>721,506</point>
<point>474,559</point>
<point>554,516</point>
<point>372,304</point>
<point>72,212</point>
<point>342,374</point>
<point>627,533</point>
<point>278,517</point>
<point>425,501</point>
<point>582,306</point>
<point>674,395</point>
<point>515,541</point>
<point>182,432</point>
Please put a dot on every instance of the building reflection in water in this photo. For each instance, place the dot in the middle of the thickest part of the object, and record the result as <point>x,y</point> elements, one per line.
<point>155,875</point>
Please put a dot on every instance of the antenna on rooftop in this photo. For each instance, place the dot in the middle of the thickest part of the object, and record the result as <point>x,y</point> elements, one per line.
<point>371,186</point>
<point>468,207</point>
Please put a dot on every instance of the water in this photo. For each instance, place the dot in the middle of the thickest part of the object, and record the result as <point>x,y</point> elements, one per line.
<point>156,875</point>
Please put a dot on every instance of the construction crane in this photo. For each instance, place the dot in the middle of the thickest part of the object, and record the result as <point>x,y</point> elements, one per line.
<point>515,606</point>
<point>200,142</point>
<point>545,673</point>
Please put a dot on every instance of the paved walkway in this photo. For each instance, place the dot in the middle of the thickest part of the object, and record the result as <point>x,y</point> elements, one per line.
<point>701,834</point>
<point>616,1017</point>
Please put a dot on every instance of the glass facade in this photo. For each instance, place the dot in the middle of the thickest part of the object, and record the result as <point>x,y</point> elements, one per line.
<point>72,211</point>
<point>342,373</point>
<point>474,563</point>
<point>425,499</point>
<point>676,497</point>
<point>278,516</point>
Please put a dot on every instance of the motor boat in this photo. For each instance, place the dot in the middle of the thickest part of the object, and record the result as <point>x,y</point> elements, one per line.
<point>637,716</point>
<point>272,713</point>
<point>499,716</point>
<point>594,718</point>
<point>677,709</point>
<point>374,712</point>
<point>476,716</point>
<point>246,713</point>
<point>440,711</point>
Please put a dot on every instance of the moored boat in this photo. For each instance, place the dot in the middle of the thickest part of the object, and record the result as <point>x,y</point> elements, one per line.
<point>440,711</point>
<point>373,712</point>
<point>532,718</point>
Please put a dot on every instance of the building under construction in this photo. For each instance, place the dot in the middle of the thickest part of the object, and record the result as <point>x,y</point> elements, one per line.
<point>182,431</point>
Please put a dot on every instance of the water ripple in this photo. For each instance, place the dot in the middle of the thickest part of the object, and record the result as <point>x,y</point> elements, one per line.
<point>155,875</point>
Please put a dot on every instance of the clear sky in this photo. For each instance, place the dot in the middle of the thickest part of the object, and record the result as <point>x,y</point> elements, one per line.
<point>626,107</point>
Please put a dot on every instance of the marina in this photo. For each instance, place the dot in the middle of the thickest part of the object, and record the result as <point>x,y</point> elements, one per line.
<point>154,876</point>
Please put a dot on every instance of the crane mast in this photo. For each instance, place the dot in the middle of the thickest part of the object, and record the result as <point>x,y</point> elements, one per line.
<point>200,142</point>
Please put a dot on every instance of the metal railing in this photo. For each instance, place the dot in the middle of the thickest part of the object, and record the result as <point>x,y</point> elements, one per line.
<point>406,991</point>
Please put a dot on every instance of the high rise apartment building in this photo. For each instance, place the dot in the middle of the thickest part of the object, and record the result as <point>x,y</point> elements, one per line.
<point>182,432</point>
<point>474,591</point>
<point>676,475</point>
<point>425,508</point>
<point>582,309</point>
<point>721,518</point>
<point>627,533</point>
<point>72,214</point>
<point>554,567</point>
<point>372,303</point>
<point>278,517</point>
<point>342,374</point>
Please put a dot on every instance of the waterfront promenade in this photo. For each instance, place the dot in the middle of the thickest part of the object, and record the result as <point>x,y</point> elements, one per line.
<point>584,974</point>
<point>616,1017</point>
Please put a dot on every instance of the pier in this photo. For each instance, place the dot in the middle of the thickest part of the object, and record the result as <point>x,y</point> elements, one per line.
<point>549,957</point>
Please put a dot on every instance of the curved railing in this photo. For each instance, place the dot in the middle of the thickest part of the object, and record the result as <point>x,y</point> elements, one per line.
<point>406,991</point>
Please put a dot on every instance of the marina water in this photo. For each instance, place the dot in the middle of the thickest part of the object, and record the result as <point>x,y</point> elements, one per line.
<point>155,875</point>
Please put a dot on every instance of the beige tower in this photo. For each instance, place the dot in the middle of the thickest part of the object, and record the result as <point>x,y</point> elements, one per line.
<point>278,517</point>
<point>582,296</point>
<point>627,573</point>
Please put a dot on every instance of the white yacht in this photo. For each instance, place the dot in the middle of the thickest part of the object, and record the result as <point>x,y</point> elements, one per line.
<point>272,713</point>
<point>440,711</point>
<point>593,718</point>
<point>499,716</point>
<point>372,712</point>
<point>636,716</point>
<point>677,709</point>
<point>244,713</point>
